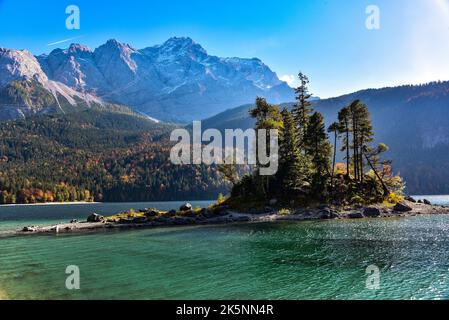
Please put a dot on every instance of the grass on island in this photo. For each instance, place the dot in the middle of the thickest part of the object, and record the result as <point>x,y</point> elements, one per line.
<point>197,211</point>
<point>244,205</point>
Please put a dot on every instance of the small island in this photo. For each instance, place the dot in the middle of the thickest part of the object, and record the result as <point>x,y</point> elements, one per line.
<point>309,185</point>
<point>223,214</point>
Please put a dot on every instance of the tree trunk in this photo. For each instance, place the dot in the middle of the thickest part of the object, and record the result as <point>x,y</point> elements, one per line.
<point>333,161</point>
<point>386,191</point>
<point>347,152</point>
<point>361,161</point>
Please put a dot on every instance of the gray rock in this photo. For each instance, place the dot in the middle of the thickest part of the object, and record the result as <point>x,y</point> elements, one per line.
<point>427,202</point>
<point>124,221</point>
<point>140,220</point>
<point>95,218</point>
<point>186,207</point>
<point>171,213</point>
<point>334,215</point>
<point>420,201</point>
<point>372,212</point>
<point>164,220</point>
<point>223,210</point>
<point>242,219</point>
<point>355,215</point>
<point>151,213</point>
<point>324,216</point>
<point>402,207</point>
<point>206,213</point>
<point>325,213</point>
<point>30,229</point>
<point>323,207</point>
<point>189,214</point>
<point>183,220</point>
<point>273,202</point>
<point>73,221</point>
<point>411,199</point>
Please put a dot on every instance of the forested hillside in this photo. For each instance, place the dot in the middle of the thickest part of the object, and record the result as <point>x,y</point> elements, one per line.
<point>95,155</point>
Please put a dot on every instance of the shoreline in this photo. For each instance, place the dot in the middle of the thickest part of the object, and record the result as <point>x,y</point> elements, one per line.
<point>48,204</point>
<point>224,215</point>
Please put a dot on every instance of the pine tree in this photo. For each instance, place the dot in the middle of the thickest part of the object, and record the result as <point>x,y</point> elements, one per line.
<point>344,127</point>
<point>362,136</point>
<point>335,129</point>
<point>302,109</point>
<point>267,117</point>
<point>292,168</point>
<point>319,150</point>
<point>372,157</point>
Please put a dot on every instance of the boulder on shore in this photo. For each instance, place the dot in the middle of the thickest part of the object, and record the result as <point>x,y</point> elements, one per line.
<point>95,218</point>
<point>30,229</point>
<point>186,207</point>
<point>355,215</point>
<point>189,214</point>
<point>411,199</point>
<point>402,207</point>
<point>140,220</point>
<point>151,213</point>
<point>371,212</point>
<point>325,212</point>
<point>171,213</point>
<point>427,202</point>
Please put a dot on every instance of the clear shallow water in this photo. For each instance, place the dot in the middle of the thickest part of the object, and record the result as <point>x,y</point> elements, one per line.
<point>312,260</point>
<point>17,216</point>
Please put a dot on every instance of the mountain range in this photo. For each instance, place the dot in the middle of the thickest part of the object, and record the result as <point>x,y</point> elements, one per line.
<point>177,81</point>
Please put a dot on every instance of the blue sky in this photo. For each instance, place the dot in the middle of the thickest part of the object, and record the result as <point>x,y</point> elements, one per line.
<point>327,39</point>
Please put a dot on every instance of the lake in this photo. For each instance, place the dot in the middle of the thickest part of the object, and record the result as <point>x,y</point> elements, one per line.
<point>307,260</point>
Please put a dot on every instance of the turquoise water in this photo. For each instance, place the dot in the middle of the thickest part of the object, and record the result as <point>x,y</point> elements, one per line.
<point>311,260</point>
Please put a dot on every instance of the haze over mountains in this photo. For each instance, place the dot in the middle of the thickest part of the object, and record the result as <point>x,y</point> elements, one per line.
<point>176,81</point>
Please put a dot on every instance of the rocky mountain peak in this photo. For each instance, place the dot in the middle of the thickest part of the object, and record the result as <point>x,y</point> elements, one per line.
<point>115,45</point>
<point>78,48</point>
<point>19,65</point>
<point>182,46</point>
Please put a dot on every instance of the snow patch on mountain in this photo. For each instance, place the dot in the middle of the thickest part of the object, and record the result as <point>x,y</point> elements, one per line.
<point>175,81</point>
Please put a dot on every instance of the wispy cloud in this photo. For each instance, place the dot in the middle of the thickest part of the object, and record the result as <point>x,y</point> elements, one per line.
<point>289,78</point>
<point>62,41</point>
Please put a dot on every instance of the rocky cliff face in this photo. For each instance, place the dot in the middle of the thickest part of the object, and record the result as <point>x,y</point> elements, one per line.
<point>25,88</point>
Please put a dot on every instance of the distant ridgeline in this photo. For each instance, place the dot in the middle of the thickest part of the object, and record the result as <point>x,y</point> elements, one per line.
<point>308,172</point>
<point>412,120</point>
<point>95,155</point>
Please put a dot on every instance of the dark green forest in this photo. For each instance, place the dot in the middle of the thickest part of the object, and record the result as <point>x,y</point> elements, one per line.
<point>96,156</point>
<point>308,151</point>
